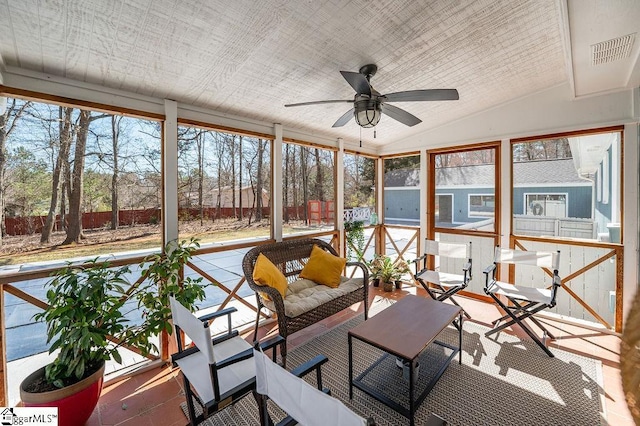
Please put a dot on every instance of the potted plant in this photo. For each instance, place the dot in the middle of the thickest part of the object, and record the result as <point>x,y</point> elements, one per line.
<point>86,325</point>
<point>388,271</point>
<point>354,233</point>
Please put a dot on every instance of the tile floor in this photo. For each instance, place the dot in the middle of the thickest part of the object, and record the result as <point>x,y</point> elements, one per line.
<point>153,397</point>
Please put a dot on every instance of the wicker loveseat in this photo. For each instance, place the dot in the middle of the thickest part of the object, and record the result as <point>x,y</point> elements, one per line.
<point>305,302</point>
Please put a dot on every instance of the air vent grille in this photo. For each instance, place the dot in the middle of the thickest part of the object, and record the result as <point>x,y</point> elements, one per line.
<point>612,50</point>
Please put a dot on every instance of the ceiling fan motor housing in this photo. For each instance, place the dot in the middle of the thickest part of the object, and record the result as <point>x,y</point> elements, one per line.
<point>367,112</point>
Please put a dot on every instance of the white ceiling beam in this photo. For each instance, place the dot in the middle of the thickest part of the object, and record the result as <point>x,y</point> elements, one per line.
<point>565,34</point>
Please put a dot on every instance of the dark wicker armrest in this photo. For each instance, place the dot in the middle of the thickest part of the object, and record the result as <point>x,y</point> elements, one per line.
<point>365,270</point>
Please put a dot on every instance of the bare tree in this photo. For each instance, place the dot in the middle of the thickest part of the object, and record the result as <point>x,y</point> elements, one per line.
<point>8,121</point>
<point>305,182</point>
<point>115,178</point>
<point>259,181</point>
<point>62,162</point>
<point>74,228</point>
<point>240,179</point>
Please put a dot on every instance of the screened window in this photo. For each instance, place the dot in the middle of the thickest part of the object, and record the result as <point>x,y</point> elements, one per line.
<point>568,186</point>
<point>402,190</point>
<point>359,189</point>
<point>224,185</point>
<point>465,189</point>
<point>77,176</point>
<point>308,189</point>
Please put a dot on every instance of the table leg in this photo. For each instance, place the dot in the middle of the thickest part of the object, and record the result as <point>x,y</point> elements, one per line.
<point>460,339</point>
<point>350,368</point>
<point>412,366</point>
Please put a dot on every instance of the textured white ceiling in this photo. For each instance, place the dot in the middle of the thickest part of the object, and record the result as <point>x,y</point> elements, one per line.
<point>249,58</point>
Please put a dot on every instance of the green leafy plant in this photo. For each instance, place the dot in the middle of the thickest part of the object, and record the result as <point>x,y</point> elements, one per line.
<point>354,233</point>
<point>85,307</point>
<point>87,318</point>
<point>164,277</point>
<point>386,270</point>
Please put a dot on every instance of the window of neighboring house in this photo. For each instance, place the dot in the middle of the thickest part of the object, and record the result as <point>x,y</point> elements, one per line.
<point>224,185</point>
<point>482,205</point>
<point>308,189</point>
<point>553,205</point>
<point>571,184</point>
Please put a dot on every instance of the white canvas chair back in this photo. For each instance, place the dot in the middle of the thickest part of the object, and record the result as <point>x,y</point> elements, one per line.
<point>306,404</point>
<point>453,250</point>
<point>192,327</point>
<point>543,259</point>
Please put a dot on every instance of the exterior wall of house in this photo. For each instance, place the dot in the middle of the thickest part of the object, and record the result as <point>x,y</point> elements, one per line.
<point>578,199</point>
<point>402,206</point>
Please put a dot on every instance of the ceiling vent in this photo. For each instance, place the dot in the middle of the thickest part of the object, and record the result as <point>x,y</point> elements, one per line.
<point>612,50</point>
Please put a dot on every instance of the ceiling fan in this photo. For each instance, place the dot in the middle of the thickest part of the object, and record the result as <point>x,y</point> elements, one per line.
<point>369,104</point>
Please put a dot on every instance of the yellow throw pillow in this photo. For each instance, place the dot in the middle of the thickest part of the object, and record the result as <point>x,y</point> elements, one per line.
<point>323,267</point>
<point>266,273</point>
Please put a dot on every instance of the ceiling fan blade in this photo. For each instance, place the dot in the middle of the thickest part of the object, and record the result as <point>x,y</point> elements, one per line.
<point>333,101</point>
<point>358,82</point>
<point>400,115</point>
<point>423,95</point>
<point>344,119</point>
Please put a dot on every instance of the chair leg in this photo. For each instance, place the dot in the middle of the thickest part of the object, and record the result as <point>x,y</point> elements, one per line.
<point>190,407</point>
<point>261,400</point>
<point>519,320</point>
<point>255,329</point>
<point>456,303</point>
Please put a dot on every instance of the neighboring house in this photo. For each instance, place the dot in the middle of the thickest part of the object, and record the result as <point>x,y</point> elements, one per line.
<point>226,197</point>
<point>547,189</point>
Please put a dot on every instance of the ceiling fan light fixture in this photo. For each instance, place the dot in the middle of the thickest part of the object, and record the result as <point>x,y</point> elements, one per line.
<point>367,113</point>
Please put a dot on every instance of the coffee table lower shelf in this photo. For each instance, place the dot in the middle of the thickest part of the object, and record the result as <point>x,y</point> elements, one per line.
<point>408,412</point>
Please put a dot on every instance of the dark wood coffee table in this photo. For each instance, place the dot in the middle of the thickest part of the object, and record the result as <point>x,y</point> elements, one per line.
<point>405,330</point>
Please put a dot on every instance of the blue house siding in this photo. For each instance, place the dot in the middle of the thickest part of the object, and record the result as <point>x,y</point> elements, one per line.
<point>579,199</point>
<point>402,206</point>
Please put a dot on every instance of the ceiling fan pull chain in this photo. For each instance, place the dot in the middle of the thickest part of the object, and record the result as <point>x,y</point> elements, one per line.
<point>360,137</point>
<point>374,132</point>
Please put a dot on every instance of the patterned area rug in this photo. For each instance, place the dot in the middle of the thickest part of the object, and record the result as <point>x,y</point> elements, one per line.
<point>503,381</point>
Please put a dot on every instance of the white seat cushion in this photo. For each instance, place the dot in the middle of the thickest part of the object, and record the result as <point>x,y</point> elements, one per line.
<point>442,278</point>
<point>532,294</point>
<point>304,295</point>
<point>196,368</point>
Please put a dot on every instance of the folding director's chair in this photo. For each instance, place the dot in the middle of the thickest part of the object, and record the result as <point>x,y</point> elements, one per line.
<point>303,403</point>
<point>217,372</point>
<point>442,285</point>
<point>523,302</point>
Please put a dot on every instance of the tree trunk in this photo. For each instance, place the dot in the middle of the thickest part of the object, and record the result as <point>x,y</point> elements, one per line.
<point>232,147</point>
<point>74,229</point>
<point>319,177</point>
<point>305,183</point>
<point>285,189</point>
<point>240,181</point>
<point>259,183</point>
<point>200,145</point>
<point>6,127</point>
<point>115,208</point>
<point>62,160</point>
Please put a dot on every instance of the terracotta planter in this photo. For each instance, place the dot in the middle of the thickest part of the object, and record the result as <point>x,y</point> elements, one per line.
<point>387,286</point>
<point>75,403</point>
